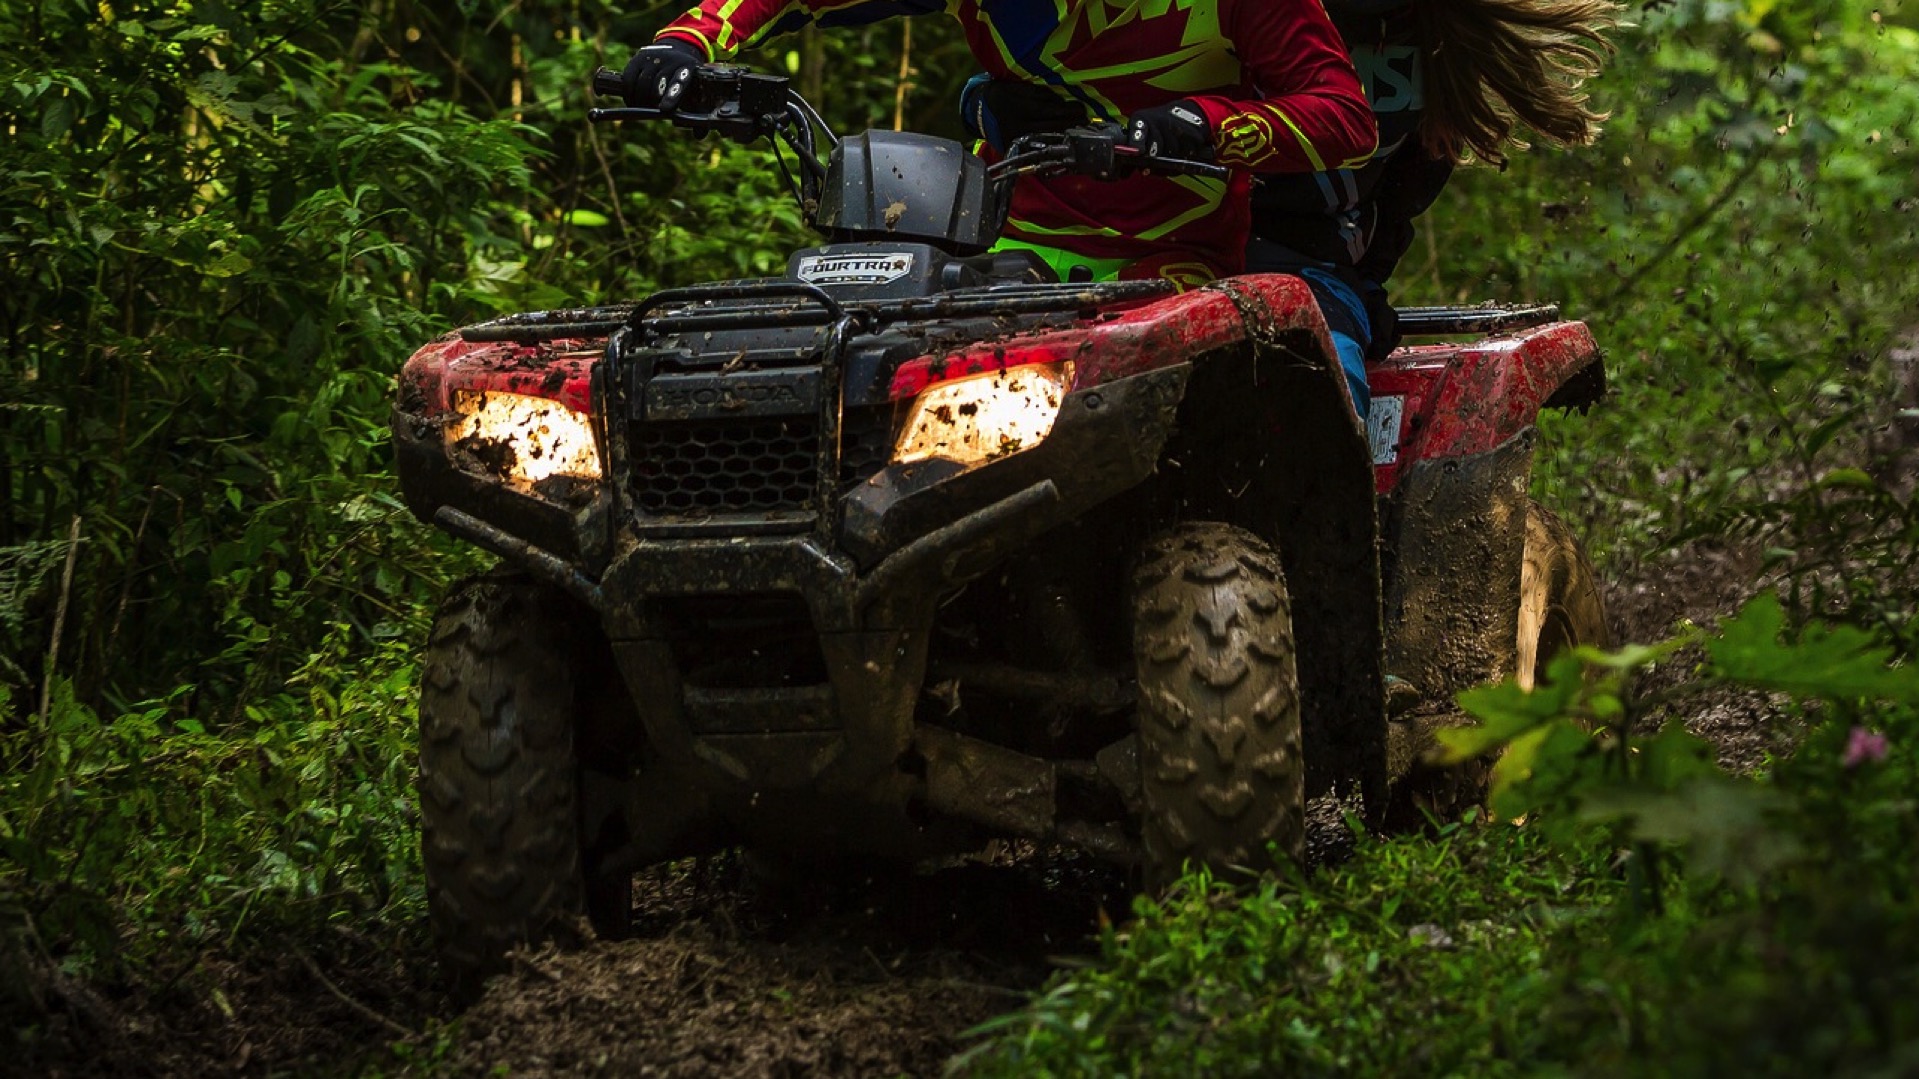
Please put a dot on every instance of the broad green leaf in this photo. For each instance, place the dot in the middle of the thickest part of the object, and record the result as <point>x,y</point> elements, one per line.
<point>230,264</point>
<point>1827,662</point>
<point>1850,477</point>
<point>1728,825</point>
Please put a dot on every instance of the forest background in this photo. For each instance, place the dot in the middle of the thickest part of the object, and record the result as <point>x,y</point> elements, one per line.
<point>223,226</point>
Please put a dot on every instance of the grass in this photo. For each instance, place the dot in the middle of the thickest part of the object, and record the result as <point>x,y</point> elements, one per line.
<point>1416,955</point>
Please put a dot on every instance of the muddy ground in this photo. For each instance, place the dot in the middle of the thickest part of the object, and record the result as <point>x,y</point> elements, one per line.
<point>846,974</point>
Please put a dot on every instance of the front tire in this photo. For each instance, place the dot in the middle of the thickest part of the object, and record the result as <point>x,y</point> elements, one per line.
<point>499,784</point>
<point>1220,760</point>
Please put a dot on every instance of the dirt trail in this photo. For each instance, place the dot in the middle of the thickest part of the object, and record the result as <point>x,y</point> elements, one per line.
<point>863,974</point>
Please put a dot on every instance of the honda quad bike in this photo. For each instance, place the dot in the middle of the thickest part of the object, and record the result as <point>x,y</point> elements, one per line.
<point>916,545</point>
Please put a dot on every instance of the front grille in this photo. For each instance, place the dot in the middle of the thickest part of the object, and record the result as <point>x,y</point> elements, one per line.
<point>708,467</point>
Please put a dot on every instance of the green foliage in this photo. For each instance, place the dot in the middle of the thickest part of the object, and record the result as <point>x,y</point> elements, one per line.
<point>130,835</point>
<point>1381,968</point>
<point>1742,239</point>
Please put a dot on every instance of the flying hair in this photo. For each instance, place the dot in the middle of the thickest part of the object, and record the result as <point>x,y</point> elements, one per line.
<point>1494,65</point>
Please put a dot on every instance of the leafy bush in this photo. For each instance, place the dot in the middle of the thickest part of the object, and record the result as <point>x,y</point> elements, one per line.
<point>1380,968</point>
<point>130,836</point>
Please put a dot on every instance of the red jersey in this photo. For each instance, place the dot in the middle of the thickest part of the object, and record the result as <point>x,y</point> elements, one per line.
<point>1272,76</point>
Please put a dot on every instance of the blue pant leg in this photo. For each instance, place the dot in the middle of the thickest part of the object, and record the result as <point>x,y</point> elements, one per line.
<point>1345,314</point>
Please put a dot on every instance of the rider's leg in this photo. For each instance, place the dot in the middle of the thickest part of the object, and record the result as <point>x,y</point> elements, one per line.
<point>1340,302</point>
<point>1352,333</point>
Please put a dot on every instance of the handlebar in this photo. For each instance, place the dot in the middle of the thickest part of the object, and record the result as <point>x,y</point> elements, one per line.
<point>1100,152</point>
<point>609,83</point>
<point>733,101</point>
<point>744,105</point>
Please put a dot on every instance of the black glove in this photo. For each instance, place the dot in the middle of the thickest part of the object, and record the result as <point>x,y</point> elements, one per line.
<point>658,74</point>
<point>1176,129</point>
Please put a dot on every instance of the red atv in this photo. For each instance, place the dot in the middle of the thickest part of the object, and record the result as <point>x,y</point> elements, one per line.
<point>915,546</point>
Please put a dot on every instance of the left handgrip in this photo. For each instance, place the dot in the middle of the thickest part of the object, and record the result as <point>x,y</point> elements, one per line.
<point>609,83</point>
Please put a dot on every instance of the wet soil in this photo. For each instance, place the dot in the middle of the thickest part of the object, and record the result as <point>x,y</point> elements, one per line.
<point>1700,583</point>
<point>875,972</point>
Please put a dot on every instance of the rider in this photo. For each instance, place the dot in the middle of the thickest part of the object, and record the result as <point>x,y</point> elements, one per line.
<point>1261,85</point>
<point>1344,230</point>
<point>1447,78</point>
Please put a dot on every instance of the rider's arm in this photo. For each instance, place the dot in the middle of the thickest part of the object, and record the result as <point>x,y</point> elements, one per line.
<point>1311,114</point>
<point>721,28</point>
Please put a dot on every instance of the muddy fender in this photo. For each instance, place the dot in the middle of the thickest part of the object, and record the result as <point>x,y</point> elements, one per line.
<point>1268,441</point>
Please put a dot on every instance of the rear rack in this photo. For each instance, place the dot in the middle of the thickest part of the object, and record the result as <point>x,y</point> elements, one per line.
<point>1485,318</point>
<point>747,305</point>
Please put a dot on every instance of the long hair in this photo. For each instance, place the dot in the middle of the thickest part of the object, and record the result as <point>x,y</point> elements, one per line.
<point>1494,64</point>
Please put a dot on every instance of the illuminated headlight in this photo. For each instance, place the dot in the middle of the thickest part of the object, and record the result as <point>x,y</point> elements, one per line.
<point>525,439</point>
<point>984,417</point>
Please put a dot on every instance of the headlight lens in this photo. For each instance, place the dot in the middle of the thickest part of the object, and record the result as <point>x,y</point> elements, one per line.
<point>525,439</point>
<point>978,419</point>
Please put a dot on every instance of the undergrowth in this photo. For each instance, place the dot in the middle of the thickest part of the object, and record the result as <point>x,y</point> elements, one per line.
<point>1377,968</point>
<point>147,834</point>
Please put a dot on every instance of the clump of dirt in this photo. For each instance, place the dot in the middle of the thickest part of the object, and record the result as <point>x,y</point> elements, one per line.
<point>699,1003</point>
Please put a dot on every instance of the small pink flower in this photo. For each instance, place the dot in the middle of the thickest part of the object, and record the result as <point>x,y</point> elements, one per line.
<point>1863,747</point>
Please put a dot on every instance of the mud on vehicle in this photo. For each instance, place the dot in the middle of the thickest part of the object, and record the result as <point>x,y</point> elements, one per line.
<point>916,545</point>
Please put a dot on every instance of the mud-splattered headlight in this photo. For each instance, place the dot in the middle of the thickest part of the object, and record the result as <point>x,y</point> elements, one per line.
<point>984,417</point>
<point>523,439</point>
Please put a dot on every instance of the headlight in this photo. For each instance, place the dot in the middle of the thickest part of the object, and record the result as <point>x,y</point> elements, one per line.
<point>983,417</point>
<point>524,439</point>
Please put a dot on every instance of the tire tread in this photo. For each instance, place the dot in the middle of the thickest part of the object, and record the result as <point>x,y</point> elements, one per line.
<point>1221,761</point>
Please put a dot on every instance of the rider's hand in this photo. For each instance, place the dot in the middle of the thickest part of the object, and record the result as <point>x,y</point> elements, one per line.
<point>1176,129</point>
<point>658,74</point>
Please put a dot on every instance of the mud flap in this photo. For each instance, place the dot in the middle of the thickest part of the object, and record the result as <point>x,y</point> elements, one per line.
<point>1459,526</point>
<point>1305,483</point>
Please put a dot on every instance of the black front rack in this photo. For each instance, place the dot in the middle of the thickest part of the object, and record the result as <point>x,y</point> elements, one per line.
<point>760,305</point>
